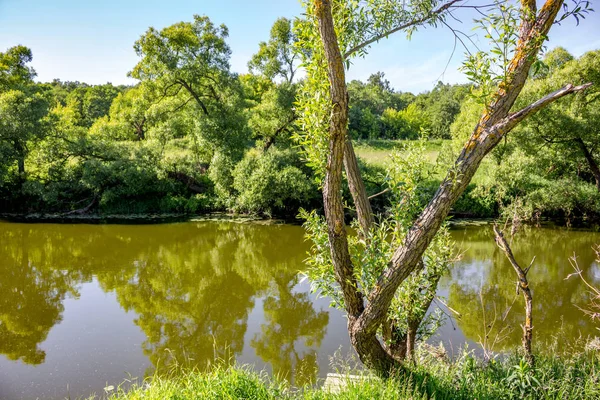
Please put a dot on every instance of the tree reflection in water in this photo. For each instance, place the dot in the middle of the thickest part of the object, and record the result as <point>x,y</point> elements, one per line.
<point>289,319</point>
<point>32,290</point>
<point>192,287</point>
<point>194,291</point>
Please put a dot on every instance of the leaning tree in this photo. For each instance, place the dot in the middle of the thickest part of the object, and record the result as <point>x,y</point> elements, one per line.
<point>334,32</point>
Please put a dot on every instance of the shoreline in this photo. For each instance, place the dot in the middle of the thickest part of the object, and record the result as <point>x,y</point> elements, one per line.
<point>168,218</point>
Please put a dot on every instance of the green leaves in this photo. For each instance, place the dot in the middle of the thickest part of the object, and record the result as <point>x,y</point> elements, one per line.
<point>185,50</point>
<point>22,122</point>
<point>487,69</point>
<point>14,71</point>
<point>277,57</point>
<point>407,179</point>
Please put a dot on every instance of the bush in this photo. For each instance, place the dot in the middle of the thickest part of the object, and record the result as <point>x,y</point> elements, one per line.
<point>273,182</point>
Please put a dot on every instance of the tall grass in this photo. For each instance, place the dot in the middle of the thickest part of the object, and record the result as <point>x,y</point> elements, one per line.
<point>574,377</point>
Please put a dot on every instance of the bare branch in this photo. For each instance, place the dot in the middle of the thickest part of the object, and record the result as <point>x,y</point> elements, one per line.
<point>379,194</point>
<point>522,284</point>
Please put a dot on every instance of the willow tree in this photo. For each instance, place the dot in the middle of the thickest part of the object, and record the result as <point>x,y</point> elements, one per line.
<point>336,31</point>
<point>189,62</point>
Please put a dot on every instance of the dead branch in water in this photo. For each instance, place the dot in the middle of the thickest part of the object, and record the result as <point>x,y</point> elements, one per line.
<point>522,285</point>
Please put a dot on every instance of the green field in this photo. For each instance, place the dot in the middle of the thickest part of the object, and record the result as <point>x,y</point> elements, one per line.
<point>377,152</point>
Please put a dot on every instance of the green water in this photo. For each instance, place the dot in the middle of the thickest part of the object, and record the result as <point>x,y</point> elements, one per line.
<point>83,307</point>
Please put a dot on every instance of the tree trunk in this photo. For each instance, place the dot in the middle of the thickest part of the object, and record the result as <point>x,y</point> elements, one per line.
<point>395,340</point>
<point>523,284</point>
<point>139,129</point>
<point>411,338</point>
<point>20,150</point>
<point>590,160</point>
<point>21,166</point>
<point>332,190</point>
<point>357,189</point>
<point>494,124</point>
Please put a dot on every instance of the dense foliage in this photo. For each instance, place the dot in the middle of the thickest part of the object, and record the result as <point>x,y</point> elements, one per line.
<point>194,137</point>
<point>548,167</point>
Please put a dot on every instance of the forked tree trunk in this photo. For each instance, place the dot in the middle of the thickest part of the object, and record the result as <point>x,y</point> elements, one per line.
<point>364,321</point>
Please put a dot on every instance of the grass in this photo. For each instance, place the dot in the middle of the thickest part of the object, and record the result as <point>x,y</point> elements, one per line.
<point>575,377</point>
<point>377,152</point>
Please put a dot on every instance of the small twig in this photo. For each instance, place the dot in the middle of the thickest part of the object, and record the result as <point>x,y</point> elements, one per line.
<point>380,193</point>
<point>459,315</point>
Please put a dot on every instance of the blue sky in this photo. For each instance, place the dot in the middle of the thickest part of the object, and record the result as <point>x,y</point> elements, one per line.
<point>92,40</point>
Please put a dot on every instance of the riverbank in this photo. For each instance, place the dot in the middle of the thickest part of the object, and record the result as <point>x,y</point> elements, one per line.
<point>573,377</point>
<point>154,218</point>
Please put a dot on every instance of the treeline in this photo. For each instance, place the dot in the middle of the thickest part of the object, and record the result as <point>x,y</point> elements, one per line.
<point>194,137</point>
<point>191,137</point>
<point>377,111</point>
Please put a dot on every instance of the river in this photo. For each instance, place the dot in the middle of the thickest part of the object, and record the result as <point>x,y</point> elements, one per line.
<point>84,307</point>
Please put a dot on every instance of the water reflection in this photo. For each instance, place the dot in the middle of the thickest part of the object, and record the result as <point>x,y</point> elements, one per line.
<point>289,319</point>
<point>31,294</point>
<point>191,293</point>
<point>482,286</point>
<point>191,288</point>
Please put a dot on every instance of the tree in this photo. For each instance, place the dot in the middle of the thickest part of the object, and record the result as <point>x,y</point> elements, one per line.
<point>441,106</point>
<point>334,32</point>
<point>368,103</point>
<point>21,122</point>
<point>90,102</point>
<point>274,116</point>
<point>14,70</point>
<point>192,58</point>
<point>277,57</point>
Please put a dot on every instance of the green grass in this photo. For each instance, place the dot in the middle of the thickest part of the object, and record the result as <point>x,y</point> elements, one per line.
<point>574,377</point>
<point>377,152</point>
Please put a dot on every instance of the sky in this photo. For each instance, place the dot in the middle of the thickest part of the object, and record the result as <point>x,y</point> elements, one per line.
<point>92,40</point>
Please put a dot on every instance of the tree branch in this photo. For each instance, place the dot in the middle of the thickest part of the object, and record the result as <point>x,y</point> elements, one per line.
<point>513,119</point>
<point>484,138</point>
<point>418,21</point>
<point>384,191</point>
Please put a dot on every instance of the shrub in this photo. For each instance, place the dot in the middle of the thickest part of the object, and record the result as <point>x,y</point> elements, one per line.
<point>273,182</point>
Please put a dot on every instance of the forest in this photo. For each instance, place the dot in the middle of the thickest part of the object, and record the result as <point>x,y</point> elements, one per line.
<point>192,137</point>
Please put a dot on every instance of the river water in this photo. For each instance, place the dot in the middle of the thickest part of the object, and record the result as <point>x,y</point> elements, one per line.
<point>84,307</point>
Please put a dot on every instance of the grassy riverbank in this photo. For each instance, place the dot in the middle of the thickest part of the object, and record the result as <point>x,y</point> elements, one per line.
<point>574,377</point>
